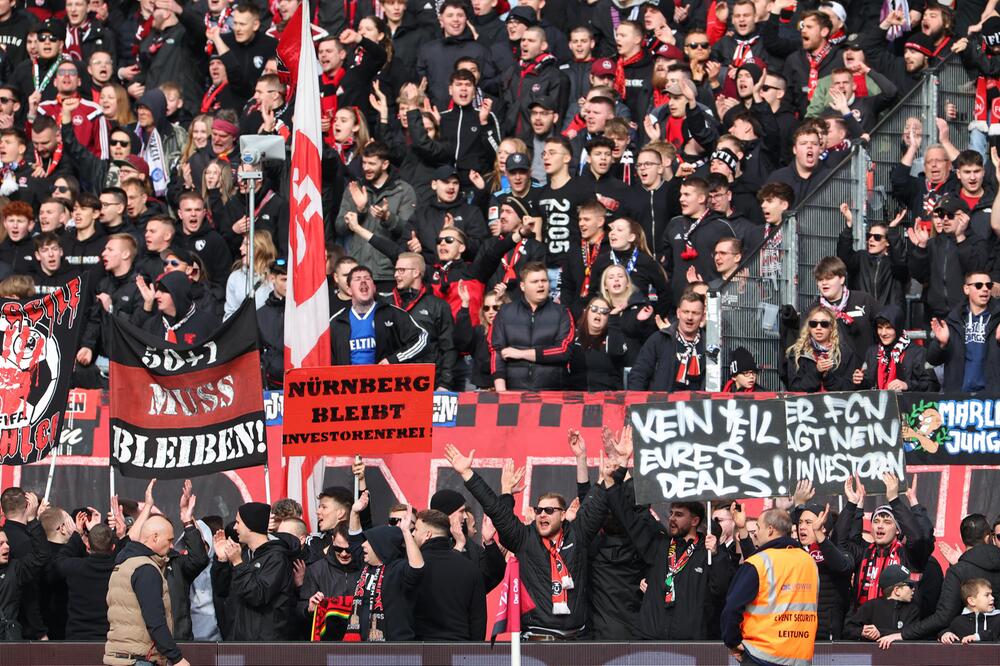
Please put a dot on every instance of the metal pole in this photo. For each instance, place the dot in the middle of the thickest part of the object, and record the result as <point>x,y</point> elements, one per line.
<point>713,343</point>
<point>52,471</point>
<point>267,484</point>
<point>252,184</point>
<point>111,480</point>
<point>357,484</point>
<point>515,648</point>
<point>708,516</point>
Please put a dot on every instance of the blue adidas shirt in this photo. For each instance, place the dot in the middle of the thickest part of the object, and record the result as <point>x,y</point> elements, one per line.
<point>363,337</point>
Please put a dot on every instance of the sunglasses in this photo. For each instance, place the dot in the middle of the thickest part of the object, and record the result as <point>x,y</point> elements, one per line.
<point>395,521</point>
<point>342,549</point>
<point>767,88</point>
<point>877,237</point>
<point>547,510</point>
<point>597,309</point>
<point>121,142</point>
<point>47,37</point>
<point>173,262</point>
<point>979,285</point>
<point>6,100</point>
<point>697,45</point>
<point>446,239</point>
<point>491,308</point>
<point>60,188</point>
<point>944,215</point>
<point>821,323</point>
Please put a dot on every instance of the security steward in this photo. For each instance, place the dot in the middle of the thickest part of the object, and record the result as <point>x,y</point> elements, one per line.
<point>770,617</point>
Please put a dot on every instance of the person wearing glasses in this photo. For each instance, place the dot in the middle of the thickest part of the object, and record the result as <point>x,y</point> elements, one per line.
<point>651,187</point>
<point>335,574</point>
<point>894,363</point>
<point>51,36</point>
<point>940,260</point>
<point>596,363</point>
<point>880,269</point>
<point>430,313</point>
<point>967,341</point>
<point>447,209</point>
<point>819,360</point>
<point>552,550</point>
<point>89,124</point>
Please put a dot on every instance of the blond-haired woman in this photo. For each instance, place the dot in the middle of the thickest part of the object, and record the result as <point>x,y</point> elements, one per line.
<point>820,360</point>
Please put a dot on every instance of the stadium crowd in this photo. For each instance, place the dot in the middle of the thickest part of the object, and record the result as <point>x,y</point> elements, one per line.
<point>259,575</point>
<point>535,197</point>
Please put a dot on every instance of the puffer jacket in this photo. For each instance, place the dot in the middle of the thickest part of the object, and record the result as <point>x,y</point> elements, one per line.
<point>549,330</point>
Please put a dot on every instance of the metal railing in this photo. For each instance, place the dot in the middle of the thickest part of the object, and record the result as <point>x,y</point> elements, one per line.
<point>746,311</point>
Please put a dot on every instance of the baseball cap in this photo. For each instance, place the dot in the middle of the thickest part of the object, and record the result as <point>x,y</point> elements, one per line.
<point>893,575</point>
<point>54,27</point>
<point>543,101</point>
<point>444,172</point>
<point>278,266</point>
<point>518,162</point>
<point>602,67</point>
<point>951,204</point>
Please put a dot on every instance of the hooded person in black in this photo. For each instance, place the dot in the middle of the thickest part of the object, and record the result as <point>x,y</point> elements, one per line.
<point>894,362</point>
<point>18,574</point>
<point>386,592</point>
<point>335,574</point>
<point>178,320</point>
<point>813,523</point>
<point>262,591</point>
<point>87,577</point>
<point>880,269</point>
<point>488,557</point>
<point>451,599</point>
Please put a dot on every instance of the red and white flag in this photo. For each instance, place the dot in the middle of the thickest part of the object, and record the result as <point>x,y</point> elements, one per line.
<point>307,307</point>
<point>307,304</point>
<point>514,601</point>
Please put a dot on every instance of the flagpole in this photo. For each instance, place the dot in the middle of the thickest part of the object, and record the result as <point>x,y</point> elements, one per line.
<point>708,512</point>
<point>52,471</point>
<point>267,484</point>
<point>515,648</point>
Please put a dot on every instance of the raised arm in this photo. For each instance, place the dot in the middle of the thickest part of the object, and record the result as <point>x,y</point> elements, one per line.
<point>512,532</point>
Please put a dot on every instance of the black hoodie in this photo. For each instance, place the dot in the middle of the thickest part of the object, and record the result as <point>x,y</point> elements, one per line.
<point>452,598</point>
<point>87,579</point>
<point>912,364</point>
<point>980,561</point>
<point>400,583</point>
<point>192,325</point>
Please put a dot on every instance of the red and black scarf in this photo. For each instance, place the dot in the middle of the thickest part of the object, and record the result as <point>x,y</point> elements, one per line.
<point>888,361</point>
<point>744,51</point>
<point>620,66</point>
<point>589,252</point>
<point>210,102</point>
<point>145,26</point>
<point>676,564</point>
<point>562,581</point>
<point>815,59</point>
<point>220,23</point>
<point>369,587</point>
<point>876,559</point>
<point>688,362</point>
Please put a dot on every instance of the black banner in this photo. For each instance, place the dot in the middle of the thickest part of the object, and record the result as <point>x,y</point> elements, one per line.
<point>951,428</point>
<point>38,344</point>
<point>182,411</point>
<point>709,449</point>
<point>833,436</point>
<point>727,448</point>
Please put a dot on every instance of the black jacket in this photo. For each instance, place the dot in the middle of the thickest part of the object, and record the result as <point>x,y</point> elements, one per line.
<point>472,144</point>
<point>87,578</point>
<point>942,267</point>
<point>170,56</point>
<point>703,239</point>
<point>436,61</point>
<point>980,561</point>
<point>182,569</point>
<point>616,569</point>
<point>400,584</point>
<point>264,594</point>
<point>548,329</point>
<point>885,277</point>
<point>329,576</point>
<point>835,568</point>
<point>414,154</point>
<point>84,255</point>
<point>986,625</point>
<point>655,368</point>
<point>245,62</point>
<point>19,575</point>
<point>428,221</point>
<point>433,315</point>
<point>208,244</point>
<point>525,85</point>
<point>699,588</point>
<point>19,256</point>
<point>397,337</point>
<point>452,604</point>
<point>952,356</point>
<point>596,368</point>
<point>796,67</point>
<point>524,541</point>
<point>859,333</point>
<point>197,328</point>
<point>889,617</point>
<point>271,333</point>
<point>913,553</point>
<point>804,376</point>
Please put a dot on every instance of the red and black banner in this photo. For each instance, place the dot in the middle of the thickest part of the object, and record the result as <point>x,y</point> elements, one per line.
<point>179,411</point>
<point>38,342</point>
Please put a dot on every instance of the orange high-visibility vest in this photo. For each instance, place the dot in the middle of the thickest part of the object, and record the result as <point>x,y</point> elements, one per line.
<point>780,625</point>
